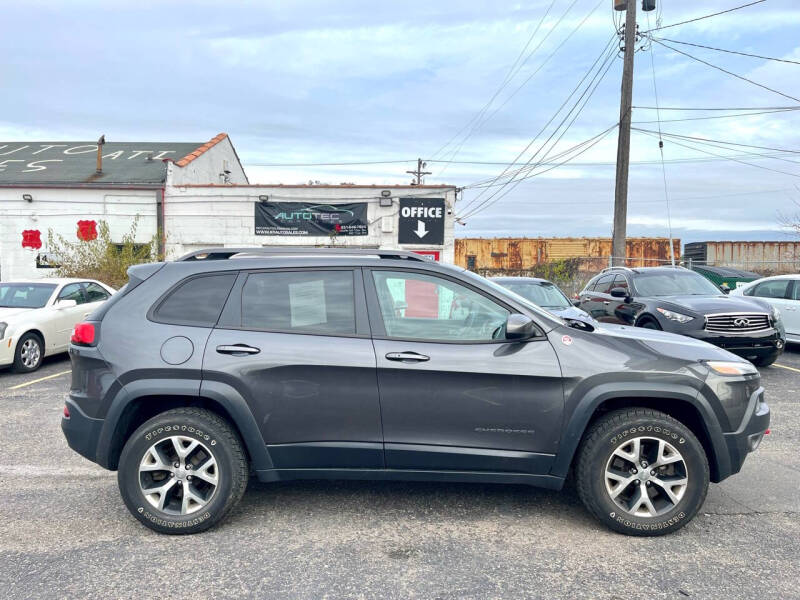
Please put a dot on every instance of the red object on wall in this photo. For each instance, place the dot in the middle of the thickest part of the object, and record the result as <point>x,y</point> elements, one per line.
<point>432,254</point>
<point>32,238</point>
<point>87,230</point>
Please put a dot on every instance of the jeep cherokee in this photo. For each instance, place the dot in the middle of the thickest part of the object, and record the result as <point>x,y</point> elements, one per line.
<point>372,364</point>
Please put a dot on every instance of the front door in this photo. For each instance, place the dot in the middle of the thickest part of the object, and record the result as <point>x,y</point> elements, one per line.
<point>296,345</point>
<point>454,394</point>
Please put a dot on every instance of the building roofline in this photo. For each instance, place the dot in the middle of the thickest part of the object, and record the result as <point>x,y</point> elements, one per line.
<point>199,151</point>
<point>322,185</point>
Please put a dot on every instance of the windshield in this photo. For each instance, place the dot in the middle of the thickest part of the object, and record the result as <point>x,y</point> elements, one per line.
<point>674,283</point>
<point>544,293</point>
<point>25,295</point>
<point>507,292</point>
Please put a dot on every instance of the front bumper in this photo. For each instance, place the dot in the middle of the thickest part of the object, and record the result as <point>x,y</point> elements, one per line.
<point>754,346</point>
<point>7,349</point>
<point>82,432</point>
<point>748,436</point>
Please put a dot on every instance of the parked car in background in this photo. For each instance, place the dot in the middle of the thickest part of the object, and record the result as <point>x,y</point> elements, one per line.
<point>37,317</point>
<point>315,363</point>
<point>781,292</point>
<point>681,301</point>
<point>545,294</point>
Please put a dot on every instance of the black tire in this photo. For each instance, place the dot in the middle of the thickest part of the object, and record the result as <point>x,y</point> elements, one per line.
<point>617,431</point>
<point>216,438</point>
<point>30,342</point>
<point>649,323</point>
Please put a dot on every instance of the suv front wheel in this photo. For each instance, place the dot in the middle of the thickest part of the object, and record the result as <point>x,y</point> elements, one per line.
<point>642,472</point>
<point>182,471</point>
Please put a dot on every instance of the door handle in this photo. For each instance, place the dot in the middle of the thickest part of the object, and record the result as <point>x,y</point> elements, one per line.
<point>407,356</point>
<point>238,349</point>
<point>606,301</point>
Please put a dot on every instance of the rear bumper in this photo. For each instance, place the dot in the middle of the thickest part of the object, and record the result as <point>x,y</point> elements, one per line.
<point>747,438</point>
<point>82,432</point>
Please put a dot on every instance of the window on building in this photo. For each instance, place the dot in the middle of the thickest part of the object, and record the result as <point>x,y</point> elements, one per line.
<point>320,302</point>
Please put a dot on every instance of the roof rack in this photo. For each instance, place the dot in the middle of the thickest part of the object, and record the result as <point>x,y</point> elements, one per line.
<point>228,253</point>
<point>620,268</point>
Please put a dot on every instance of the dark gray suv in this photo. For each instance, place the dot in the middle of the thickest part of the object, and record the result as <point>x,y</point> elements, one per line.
<point>372,364</point>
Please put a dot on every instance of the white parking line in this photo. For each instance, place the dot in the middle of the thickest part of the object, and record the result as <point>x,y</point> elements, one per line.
<point>39,471</point>
<point>27,383</point>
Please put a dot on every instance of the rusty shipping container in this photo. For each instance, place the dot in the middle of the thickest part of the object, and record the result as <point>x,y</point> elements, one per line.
<point>519,254</point>
<point>764,258</point>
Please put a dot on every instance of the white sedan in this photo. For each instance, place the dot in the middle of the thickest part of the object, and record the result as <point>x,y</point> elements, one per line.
<point>782,292</point>
<point>37,317</point>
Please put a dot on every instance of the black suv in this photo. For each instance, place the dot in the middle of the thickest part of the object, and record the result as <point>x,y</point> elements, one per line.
<point>371,364</point>
<point>681,301</point>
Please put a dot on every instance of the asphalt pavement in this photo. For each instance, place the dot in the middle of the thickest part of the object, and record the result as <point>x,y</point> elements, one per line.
<point>65,533</point>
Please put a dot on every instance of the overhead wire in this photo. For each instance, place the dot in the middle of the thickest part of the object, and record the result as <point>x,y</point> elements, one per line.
<point>722,12</point>
<point>783,60</point>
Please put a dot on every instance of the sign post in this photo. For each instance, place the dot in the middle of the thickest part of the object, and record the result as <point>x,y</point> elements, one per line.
<point>421,221</point>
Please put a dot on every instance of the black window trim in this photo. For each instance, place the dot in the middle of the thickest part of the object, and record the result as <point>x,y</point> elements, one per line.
<point>151,312</point>
<point>231,315</point>
<point>376,318</point>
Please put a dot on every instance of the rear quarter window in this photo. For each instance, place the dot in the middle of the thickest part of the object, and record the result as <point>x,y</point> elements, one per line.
<point>196,302</point>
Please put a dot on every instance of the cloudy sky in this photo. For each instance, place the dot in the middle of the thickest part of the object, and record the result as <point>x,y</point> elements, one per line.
<point>299,82</point>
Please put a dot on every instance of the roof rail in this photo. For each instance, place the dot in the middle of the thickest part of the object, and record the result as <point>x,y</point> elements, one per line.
<point>618,268</point>
<point>227,253</point>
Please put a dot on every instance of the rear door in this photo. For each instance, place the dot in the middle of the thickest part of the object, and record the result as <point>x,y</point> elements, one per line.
<point>598,299</point>
<point>455,395</point>
<point>295,344</point>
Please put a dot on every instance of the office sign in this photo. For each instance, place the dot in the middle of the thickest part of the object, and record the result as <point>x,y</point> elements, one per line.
<point>421,221</point>
<point>308,218</point>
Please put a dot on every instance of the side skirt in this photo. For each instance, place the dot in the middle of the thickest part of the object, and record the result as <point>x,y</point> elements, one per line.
<point>544,481</point>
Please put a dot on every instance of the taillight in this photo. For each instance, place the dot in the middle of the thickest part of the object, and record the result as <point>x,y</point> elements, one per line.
<point>66,412</point>
<point>83,334</point>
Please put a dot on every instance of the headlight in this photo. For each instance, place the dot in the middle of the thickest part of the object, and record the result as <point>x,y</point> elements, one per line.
<point>724,367</point>
<point>675,316</point>
<point>3,327</point>
<point>776,314</point>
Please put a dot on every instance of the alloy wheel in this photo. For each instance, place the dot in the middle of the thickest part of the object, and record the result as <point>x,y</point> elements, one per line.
<point>646,476</point>
<point>30,353</point>
<point>178,475</point>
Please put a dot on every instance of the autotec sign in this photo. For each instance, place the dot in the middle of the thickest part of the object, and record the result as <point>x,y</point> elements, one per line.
<point>306,218</point>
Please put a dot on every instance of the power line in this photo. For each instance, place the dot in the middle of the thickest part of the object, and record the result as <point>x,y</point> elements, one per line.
<point>783,60</point>
<point>747,114</point>
<point>701,139</point>
<point>705,16</point>
<point>681,108</point>
<point>700,60</point>
<point>339,164</point>
<point>605,55</point>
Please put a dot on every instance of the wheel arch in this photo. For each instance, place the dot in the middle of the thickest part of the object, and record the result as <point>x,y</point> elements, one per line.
<point>645,316</point>
<point>134,410</point>
<point>684,405</point>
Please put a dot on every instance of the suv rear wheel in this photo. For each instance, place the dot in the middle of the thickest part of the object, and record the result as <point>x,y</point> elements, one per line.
<point>182,471</point>
<point>642,472</point>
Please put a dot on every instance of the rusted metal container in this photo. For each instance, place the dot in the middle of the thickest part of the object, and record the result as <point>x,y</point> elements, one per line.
<point>761,257</point>
<point>520,254</point>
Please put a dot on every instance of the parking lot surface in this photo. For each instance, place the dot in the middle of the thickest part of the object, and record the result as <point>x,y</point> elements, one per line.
<point>65,533</point>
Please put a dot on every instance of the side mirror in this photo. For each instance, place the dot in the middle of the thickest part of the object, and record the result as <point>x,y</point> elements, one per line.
<point>519,327</point>
<point>60,304</point>
<point>619,292</point>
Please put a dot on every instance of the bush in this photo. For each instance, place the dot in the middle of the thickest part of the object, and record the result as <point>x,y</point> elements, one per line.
<point>101,258</point>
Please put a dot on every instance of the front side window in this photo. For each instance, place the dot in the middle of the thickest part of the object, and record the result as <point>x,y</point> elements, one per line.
<point>777,288</point>
<point>72,292</point>
<point>25,295</point>
<point>418,306</point>
<point>320,302</point>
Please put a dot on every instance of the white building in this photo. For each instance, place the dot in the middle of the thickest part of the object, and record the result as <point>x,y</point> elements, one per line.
<point>194,196</point>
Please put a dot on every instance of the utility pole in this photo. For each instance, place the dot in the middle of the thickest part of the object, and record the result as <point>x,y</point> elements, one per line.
<point>624,140</point>
<point>419,173</point>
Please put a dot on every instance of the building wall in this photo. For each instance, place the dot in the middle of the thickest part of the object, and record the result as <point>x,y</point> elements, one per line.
<point>208,167</point>
<point>762,257</point>
<point>60,210</point>
<point>200,216</point>
<point>519,254</point>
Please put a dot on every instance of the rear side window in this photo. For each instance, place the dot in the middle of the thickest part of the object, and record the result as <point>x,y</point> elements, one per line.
<point>319,302</point>
<point>95,293</point>
<point>197,301</point>
<point>620,282</point>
